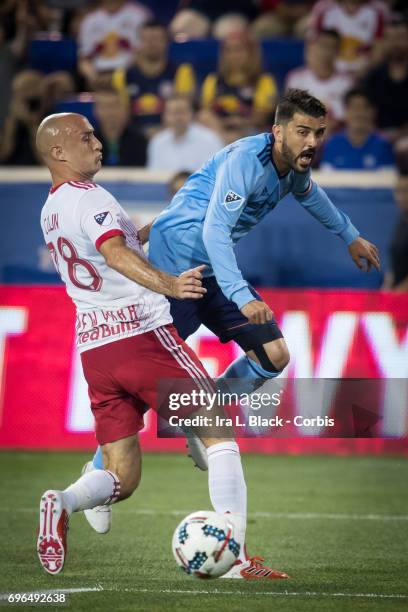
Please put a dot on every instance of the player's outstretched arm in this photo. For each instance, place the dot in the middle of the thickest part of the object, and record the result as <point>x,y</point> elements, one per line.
<point>126,261</point>
<point>318,204</point>
<point>364,254</point>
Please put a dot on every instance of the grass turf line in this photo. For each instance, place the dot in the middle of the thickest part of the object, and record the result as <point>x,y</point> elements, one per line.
<point>324,556</point>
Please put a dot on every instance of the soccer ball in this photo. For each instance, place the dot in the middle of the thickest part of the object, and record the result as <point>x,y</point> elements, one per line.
<point>204,545</point>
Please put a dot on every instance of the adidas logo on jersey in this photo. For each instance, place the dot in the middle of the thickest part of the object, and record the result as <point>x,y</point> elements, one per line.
<point>104,218</point>
<point>233,201</point>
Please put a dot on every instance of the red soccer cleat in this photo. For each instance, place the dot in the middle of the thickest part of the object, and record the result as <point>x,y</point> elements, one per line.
<point>253,569</point>
<point>52,532</point>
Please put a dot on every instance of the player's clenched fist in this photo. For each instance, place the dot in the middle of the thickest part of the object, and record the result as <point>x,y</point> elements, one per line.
<point>189,285</point>
<point>361,249</point>
<point>257,312</point>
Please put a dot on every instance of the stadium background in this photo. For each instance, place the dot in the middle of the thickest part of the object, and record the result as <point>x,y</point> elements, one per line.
<point>332,331</point>
<point>318,295</point>
<point>334,516</point>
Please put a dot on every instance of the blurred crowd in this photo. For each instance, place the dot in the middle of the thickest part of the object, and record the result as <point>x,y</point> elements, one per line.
<point>153,111</point>
<point>113,60</point>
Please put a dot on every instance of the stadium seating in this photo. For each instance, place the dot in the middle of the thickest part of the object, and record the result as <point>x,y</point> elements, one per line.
<point>81,103</point>
<point>279,55</point>
<point>52,53</point>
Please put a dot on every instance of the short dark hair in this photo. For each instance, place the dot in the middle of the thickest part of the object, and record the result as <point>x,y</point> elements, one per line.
<point>357,92</point>
<point>298,101</point>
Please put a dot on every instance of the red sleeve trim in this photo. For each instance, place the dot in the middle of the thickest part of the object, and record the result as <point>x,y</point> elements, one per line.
<point>107,235</point>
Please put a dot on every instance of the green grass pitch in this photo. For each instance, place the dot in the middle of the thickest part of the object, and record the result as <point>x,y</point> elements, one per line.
<point>337,525</point>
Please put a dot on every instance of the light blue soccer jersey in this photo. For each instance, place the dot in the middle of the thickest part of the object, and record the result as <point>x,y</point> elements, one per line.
<point>221,202</point>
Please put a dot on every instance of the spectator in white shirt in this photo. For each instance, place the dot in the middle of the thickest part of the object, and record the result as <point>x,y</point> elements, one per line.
<point>108,37</point>
<point>360,24</point>
<point>320,75</point>
<point>183,144</point>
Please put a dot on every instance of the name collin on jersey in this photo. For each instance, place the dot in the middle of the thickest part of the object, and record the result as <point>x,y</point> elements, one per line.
<point>50,223</point>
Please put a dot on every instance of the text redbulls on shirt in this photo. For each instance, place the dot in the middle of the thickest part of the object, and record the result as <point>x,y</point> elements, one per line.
<point>76,219</point>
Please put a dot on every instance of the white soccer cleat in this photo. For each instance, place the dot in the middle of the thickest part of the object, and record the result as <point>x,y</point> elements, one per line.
<point>100,517</point>
<point>52,532</point>
<point>196,449</point>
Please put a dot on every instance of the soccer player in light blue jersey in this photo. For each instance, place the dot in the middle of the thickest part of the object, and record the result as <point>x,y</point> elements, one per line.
<point>220,204</point>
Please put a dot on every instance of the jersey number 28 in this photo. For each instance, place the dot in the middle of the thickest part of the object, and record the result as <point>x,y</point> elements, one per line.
<point>69,254</point>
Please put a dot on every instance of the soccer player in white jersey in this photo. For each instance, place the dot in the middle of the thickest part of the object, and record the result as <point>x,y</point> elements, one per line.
<point>125,337</point>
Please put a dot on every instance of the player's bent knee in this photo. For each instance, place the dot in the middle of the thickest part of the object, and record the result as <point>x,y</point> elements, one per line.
<point>277,354</point>
<point>279,357</point>
<point>265,347</point>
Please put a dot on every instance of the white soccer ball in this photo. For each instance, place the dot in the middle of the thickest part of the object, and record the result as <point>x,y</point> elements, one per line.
<point>204,545</point>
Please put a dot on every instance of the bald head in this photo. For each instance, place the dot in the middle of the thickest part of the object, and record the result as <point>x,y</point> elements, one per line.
<point>68,146</point>
<point>55,129</point>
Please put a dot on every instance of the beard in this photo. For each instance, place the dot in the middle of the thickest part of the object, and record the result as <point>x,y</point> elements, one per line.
<point>288,155</point>
<point>293,160</point>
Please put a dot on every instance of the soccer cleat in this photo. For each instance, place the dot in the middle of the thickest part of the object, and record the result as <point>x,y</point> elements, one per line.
<point>100,517</point>
<point>196,449</point>
<point>253,569</point>
<point>52,532</point>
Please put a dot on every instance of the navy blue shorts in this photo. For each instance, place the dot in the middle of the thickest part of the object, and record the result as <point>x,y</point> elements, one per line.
<point>220,315</point>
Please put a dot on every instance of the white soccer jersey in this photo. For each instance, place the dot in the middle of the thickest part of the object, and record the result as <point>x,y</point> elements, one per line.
<point>110,39</point>
<point>358,31</point>
<point>330,91</point>
<point>76,219</point>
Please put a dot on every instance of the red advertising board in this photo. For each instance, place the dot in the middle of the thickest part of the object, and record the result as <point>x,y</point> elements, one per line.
<point>330,334</point>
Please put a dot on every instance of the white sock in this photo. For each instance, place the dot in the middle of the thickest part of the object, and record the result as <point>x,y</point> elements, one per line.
<point>226,483</point>
<point>94,488</point>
